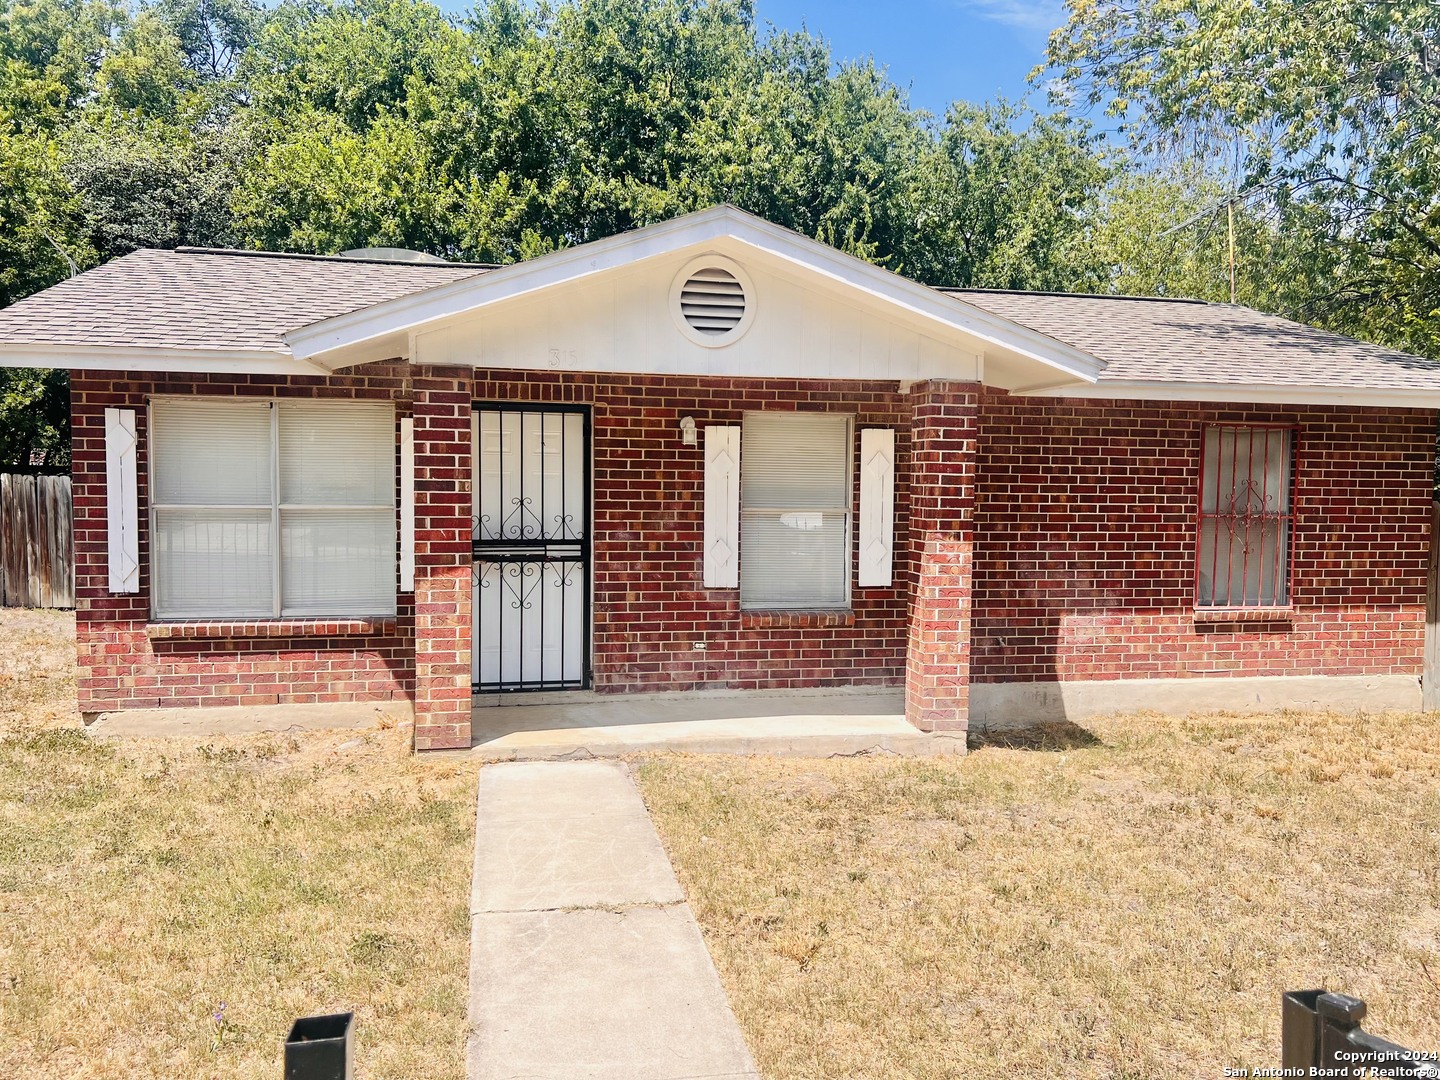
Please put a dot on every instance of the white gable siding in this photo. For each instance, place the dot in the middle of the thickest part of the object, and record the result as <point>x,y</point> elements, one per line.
<point>622,321</point>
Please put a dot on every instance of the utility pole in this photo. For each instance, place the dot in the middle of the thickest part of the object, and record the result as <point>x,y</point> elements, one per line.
<point>1228,202</point>
<point>1230,216</point>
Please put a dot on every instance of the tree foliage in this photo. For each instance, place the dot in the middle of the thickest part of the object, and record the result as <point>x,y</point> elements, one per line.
<point>1334,106</point>
<point>522,127</point>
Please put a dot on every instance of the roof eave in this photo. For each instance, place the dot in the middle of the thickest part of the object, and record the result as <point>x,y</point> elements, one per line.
<point>196,360</point>
<point>1246,393</point>
<point>418,311</point>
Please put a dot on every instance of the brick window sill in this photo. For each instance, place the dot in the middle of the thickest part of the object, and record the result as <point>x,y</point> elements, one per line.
<point>790,617</point>
<point>1244,615</point>
<point>268,628</point>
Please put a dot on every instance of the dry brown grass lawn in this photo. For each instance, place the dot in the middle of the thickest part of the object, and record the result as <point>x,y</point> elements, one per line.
<point>144,883</point>
<point>1123,907</point>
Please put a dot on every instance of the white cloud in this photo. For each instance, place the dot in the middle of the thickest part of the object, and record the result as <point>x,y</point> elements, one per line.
<point>1032,16</point>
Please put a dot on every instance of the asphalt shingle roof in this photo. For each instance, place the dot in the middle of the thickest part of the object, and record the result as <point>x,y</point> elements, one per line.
<point>194,298</point>
<point>208,299</point>
<point>1150,340</point>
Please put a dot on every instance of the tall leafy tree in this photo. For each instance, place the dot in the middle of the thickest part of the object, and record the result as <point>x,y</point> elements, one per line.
<point>49,50</point>
<point>322,125</point>
<point>1008,199</point>
<point>1334,104</point>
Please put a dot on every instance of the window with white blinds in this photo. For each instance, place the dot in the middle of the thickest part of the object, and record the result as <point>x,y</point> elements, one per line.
<point>265,509</point>
<point>795,486</point>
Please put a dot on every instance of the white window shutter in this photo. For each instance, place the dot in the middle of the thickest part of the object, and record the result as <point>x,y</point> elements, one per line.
<point>877,505</point>
<point>407,505</point>
<point>121,507</point>
<point>722,507</point>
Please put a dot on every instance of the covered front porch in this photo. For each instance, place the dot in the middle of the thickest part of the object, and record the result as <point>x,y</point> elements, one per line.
<point>577,554</point>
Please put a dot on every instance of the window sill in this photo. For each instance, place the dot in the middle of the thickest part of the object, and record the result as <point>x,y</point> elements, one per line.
<point>796,617</point>
<point>1244,615</point>
<point>269,628</point>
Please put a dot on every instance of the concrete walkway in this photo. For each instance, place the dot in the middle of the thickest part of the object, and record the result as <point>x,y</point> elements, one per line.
<point>585,961</point>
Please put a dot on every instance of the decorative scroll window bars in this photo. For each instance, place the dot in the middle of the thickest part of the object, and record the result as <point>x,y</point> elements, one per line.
<point>1245,520</point>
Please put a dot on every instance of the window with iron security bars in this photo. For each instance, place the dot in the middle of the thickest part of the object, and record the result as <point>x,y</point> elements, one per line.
<point>1245,520</point>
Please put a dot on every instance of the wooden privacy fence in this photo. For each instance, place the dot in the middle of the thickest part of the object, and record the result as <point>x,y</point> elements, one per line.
<point>37,546</point>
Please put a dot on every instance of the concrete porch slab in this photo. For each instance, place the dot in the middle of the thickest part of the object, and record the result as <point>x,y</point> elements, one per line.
<point>796,724</point>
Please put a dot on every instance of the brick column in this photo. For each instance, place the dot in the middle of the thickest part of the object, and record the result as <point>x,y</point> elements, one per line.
<point>942,510</point>
<point>442,558</point>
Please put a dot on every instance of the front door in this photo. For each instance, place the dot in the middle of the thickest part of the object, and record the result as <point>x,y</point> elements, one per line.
<point>532,548</point>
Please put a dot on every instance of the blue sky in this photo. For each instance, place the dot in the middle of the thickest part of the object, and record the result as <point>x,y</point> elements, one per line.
<point>940,49</point>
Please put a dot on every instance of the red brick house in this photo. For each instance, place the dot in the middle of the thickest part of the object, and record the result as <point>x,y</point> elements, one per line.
<point>714,454</point>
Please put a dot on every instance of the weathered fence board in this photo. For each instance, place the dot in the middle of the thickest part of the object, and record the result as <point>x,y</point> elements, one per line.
<point>37,554</point>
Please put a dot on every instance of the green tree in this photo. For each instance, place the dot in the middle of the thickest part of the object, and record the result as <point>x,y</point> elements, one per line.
<point>1008,199</point>
<point>213,34</point>
<point>321,125</point>
<point>49,50</point>
<point>1173,232</point>
<point>34,420</point>
<point>1335,108</point>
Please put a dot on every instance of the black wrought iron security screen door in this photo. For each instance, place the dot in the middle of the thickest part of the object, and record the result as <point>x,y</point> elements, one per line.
<point>532,548</point>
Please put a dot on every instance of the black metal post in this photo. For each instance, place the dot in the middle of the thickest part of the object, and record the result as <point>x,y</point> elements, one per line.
<point>1322,1031</point>
<point>321,1048</point>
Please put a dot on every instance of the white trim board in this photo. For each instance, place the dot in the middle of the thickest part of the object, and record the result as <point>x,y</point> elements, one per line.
<point>1241,394</point>
<point>132,358</point>
<point>121,501</point>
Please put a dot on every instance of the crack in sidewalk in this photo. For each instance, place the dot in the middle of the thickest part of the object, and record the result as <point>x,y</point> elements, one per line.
<point>617,909</point>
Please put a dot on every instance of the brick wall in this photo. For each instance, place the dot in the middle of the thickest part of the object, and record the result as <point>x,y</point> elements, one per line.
<point>1083,550</point>
<point>1085,543</point>
<point>650,605</point>
<point>122,667</point>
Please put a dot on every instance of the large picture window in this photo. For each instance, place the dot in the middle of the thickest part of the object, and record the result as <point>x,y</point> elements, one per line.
<point>795,484</point>
<point>1245,518</point>
<point>268,509</point>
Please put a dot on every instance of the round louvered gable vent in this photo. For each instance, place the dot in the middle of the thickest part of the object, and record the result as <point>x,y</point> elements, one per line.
<point>713,301</point>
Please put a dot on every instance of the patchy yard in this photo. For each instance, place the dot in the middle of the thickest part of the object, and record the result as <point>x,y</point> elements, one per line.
<point>167,907</point>
<point>1120,903</point>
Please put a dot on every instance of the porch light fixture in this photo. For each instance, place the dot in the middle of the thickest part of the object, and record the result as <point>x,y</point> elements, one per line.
<point>687,431</point>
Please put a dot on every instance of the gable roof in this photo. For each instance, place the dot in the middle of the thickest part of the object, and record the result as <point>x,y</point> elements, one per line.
<point>209,301</point>
<point>375,331</point>
<point>1154,342</point>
